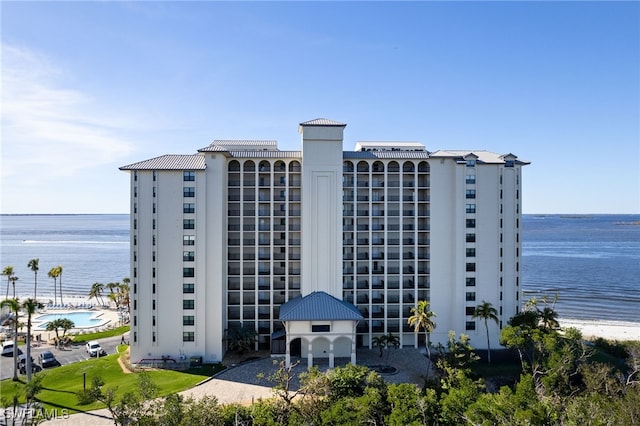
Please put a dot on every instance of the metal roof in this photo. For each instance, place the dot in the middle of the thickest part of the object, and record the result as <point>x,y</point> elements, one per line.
<point>265,154</point>
<point>169,162</point>
<point>318,306</point>
<point>486,157</point>
<point>400,155</point>
<point>248,144</point>
<point>323,122</point>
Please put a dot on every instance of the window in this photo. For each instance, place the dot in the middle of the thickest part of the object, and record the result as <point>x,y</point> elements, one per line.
<point>471,163</point>
<point>189,176</point>
<point>508,163</point>
<point>188,256</point>
<point>190,303</point>
<point>154,175</point>
<point>189,191</point>
<point>471,281</point>
<point>471,252</point>
<point>188,272</point>
<point>188,336</point>
<point>471,238</point>
<point>471,267</point>
<point>188,223</point>
<point>153,321</point>
<point>321,328</point>
<point>471,208</point>
<point>188,240</point>
<point>470,296</point>
<point>188,208</point>
<point>153,224</point>
<point>188,320</point>
<point>470,310</point>
<point>471,223</point>
<point>188,287</point>
<point>153,304</point>
<point>470,325</point>
<point>471,179</point>
<point>470,193</point>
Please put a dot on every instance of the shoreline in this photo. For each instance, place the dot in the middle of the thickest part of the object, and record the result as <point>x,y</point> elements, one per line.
<point>606,329</point>
<point>590,328</point>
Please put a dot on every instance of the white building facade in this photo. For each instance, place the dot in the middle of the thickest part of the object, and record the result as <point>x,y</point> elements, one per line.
<point>222,238</point>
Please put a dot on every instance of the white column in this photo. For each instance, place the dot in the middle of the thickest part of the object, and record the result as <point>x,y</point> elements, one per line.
<point>353,343</point>
<point>331,357</point>
<point>310,355</point>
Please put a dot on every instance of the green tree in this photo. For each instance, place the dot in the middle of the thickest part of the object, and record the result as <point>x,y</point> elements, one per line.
<point>64,323</point>
<point>59,269</point>
<point>33,265</point>
<point>14,306</point>
<point>54,273</point>
<point>486,312</point>
<point>393,341</point>
<point>96,292</point>
<point>380,342</point>
<point>422,319</point>
<point>30,306</point>
<point>8,272</point>
<point>13,280</point>
<point>241,339</point>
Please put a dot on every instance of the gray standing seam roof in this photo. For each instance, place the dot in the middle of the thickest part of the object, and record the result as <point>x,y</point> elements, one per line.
<point>169,162</point>
<point>323,122</point>
<point>318,306</point>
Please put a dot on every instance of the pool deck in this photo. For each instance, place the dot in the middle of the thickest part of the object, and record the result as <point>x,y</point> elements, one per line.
<point>110,316</point>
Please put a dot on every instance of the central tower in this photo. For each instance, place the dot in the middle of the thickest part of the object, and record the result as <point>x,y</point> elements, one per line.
<point>321,268</point>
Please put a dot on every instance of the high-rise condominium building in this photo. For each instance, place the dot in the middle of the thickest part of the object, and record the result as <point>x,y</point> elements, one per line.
<point>222,238</point>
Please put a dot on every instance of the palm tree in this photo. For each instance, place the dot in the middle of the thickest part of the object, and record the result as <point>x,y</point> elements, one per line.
<point>54,273</point>
<point>96,292</point>
<point>64,323</point>
<point>393,341</point>
<point>13,280</point>
<point>123,293</point>
<point>30,306</point>
<point>59,267</point>
<point>14,306</point>
<point>549,318</point>
<point>8,272</point>
<point>380,342</point>
<point>126,289</point>
<point>422,320</point>
<point>487,312</point>
<point>33,265</point>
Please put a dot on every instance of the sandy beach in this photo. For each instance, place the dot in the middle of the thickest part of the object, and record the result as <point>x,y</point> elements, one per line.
<point>611,330</point>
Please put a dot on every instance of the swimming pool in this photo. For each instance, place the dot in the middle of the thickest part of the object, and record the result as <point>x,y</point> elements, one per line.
<point>81,319</point>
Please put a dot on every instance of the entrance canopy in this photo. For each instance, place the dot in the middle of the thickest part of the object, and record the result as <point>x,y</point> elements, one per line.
<point>321,318</point>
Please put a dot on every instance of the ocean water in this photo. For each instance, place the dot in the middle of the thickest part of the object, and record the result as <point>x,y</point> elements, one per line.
<point>591,262</point>
<point>90,248</point>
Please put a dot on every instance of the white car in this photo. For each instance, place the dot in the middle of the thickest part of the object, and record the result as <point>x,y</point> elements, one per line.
<point>94,349</point>
<point>7,348</point>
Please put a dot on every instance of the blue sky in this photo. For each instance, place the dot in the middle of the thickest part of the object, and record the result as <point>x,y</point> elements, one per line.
<point>88,87</point>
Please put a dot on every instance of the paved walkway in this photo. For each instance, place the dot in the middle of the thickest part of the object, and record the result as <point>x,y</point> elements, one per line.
<point>240,383</point>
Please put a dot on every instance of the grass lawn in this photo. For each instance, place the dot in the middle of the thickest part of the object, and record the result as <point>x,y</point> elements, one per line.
<point>82,338</point>
<point>61,384</point>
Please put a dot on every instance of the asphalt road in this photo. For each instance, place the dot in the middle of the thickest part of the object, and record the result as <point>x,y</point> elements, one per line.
<point>68,355</point>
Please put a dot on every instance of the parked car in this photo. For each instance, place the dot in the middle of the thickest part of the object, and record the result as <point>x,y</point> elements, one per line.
<point>47,359</point>
<point>7,348</point>
<point>94,349</point>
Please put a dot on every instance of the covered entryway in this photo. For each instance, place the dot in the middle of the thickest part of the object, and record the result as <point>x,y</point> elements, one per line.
<point>325,326</point>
